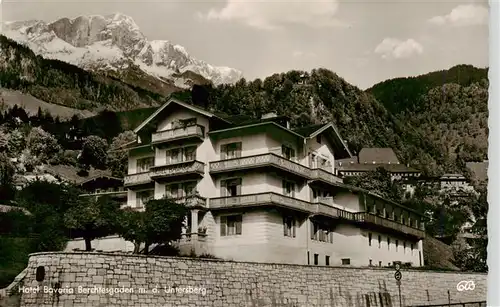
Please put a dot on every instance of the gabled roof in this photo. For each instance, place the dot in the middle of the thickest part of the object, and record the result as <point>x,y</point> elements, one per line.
<point>378,155</point>
<point>170,101</point>
<point>310,132</point>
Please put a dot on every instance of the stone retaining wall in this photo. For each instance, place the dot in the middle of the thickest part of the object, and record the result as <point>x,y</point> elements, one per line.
<point>72,279</point>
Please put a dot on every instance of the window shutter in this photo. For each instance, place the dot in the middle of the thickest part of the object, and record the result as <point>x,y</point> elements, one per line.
<point>223,222</point>
<point>223,151</point>
<point>238,150</point>
<point>238,223</point>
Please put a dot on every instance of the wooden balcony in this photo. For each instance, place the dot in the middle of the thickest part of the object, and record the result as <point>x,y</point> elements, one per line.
<point>138,179</point>
<point>319,174</point>
<point>260,199</point>
<point>183,134</point>
<point>187,169</point>
<point>258,161</point>
<point>378,221</point>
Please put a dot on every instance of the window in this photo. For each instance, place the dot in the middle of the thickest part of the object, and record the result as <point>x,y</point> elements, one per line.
<point>190,153</point>
<point>289,226</point>
<point>370,263</point>
<point>144,164</point>
<point>174,155</point>
<point>379,240</point>
<point>287,152</point>
<point>321,232</point>
<point>403,221</point>
<point>173,191</point>
<point>231,225</point>
<point>380,263</point>
<point>288,188</point>
<point>370,239</point>
<point>143,197</point>
<point>346,261</point>
<point>327,260</point>
<point>404,247</point>
<point>316,259</point>
<point>397,243</point>
<point>388,243</point>
<point>230,187</point>
<point>308,260</point>
<point>412,247</point>
<point>318,139</point>
<point>230,151</point>
<point>189,188</point>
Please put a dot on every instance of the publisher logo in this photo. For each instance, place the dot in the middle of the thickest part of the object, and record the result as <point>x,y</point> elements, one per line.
<point>466,285</point>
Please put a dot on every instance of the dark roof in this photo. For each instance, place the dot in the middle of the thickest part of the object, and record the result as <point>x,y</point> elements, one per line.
<point>393,168</point>
<point>308,130</point>
<point>340,162</point>
<point>479,170</point>
<point>100,177</point>
<point>377,155</point>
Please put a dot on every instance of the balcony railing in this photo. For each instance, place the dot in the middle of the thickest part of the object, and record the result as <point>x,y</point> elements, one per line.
<point>386,223</point>
<point>177,169</point>
<point>137,179</point>
<point>178,133</point>
<point>324,175</point>
<point>192,201</point>
<point>258,200</point>
<point>268,159</point>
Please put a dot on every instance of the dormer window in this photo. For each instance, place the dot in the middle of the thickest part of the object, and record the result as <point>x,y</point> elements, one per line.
<point>318,139</point>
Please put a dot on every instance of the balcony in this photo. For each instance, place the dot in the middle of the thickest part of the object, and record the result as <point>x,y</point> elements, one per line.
<point>325,206</point>
<point>193,201</point>
<point>137,179</point>
<point>187,169</point>
<point>260,199</point>
<point>363,217</point>
<point>263,160</point>
<point>320,174</point>
<point>195,132</point>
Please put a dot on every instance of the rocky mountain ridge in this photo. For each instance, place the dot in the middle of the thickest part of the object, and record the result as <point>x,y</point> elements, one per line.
<point>115,45</point>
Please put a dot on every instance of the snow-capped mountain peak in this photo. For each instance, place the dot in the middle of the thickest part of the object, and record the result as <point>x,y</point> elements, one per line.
<point>113,43</point>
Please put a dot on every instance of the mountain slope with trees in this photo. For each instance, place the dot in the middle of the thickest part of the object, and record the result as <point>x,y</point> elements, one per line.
<point>449,107</point>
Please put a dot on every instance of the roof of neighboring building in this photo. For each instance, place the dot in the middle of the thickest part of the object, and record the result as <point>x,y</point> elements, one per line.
<point>8,208</point>
<point>479,169</point>
<point>70,173</point>
<point>377,155</point>
<point>393,168</point>
<point>100,177</point>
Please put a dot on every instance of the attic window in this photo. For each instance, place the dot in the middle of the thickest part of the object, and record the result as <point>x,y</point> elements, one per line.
<point>318,139</point>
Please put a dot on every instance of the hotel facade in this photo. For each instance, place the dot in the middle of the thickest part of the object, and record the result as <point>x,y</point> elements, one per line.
<point>260,191</point>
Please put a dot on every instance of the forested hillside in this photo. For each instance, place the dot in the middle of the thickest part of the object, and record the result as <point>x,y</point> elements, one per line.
<point>64,84</point>
<point>452,118</point>
<point>449,107</point>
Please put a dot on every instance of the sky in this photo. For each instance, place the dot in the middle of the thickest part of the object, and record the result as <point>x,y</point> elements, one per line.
<point>364,42</point>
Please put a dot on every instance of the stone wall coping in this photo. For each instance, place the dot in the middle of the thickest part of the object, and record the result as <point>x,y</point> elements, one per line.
<point>249,262</point>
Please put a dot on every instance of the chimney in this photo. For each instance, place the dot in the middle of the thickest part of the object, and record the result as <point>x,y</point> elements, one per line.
<point>269,115</point>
